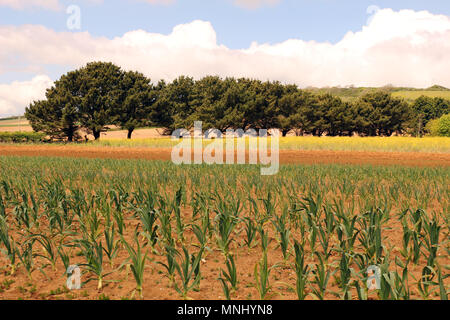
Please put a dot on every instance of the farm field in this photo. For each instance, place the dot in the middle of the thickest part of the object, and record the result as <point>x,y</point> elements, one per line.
<point>410,159</point>
<point>150,138</point>
<point>150,229</point>
<point>382,144</point>
<point>412,95</point>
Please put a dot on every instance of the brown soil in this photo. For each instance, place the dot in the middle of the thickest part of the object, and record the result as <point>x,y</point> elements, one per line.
<point>23,126</point>
<point>286,156</point>
<point>50,284</point>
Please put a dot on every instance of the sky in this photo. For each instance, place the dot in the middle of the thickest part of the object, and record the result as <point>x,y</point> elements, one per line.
<point>306,42</point>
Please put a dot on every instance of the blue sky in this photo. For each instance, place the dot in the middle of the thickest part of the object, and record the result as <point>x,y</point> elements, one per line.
<point>306,42</point>
<point>236,27</point>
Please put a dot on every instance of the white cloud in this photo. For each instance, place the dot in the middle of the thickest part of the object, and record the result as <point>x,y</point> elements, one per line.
<point>16,96</point>
<point>254,4</point>
<point>404,48</point>
<point>22,4</point>
<point>57,5</point>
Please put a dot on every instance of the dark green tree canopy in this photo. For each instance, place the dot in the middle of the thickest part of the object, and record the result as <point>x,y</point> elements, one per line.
<point>135,99</point>
<point>101,94</point>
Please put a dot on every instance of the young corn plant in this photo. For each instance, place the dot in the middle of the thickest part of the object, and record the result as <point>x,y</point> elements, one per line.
<point>137,263</point>
<point>93,252</point>
<point>47,246</point>
<point>385,292</point>
<point>412,237</point>
<point>148,218</point>
<point>189,272</point>
<point>393,287</point>
<point>280,223</point>
<point>111,245</point>
<point>302,272</point>
<point>347,232</point>
<point>225,224</point>
<point>201,233</point>
<point>345,273</point>
<point>10,250</point>
<point>64,257</point>
<point>443,292</point>
<point>170,266</point>
<point>431,240</point>
<point>176,207</point>
<point>250,232</point>
<point>23,217</point>
<point>118,218</point>
<point>324,239</point>
<point>261,275</point>
<point>2,207</point>
<point>26,257</point>
<point>264,239</point>
<point>269,205</point>
<point>321,276</point>
<point>228,278</point>
<point>166,228</point>
<point>370,235</point>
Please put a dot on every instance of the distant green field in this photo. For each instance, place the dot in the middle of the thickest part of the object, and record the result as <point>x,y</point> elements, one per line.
<point>412,95</point>
<point>348,94</point>
<point>13,122</point>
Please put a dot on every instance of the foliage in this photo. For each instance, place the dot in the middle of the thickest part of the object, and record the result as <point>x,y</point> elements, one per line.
<point>101,94</point>
<point>15,137</point>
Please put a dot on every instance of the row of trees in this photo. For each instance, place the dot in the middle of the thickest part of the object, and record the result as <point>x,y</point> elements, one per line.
<point>102,94</point>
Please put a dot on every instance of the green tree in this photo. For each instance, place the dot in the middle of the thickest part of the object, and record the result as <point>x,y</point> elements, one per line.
<point>174,105</point>
<point>136,97</point>
<point>384,113</point>
<point>443,126</point>
<point>98,87</point>
<point>58,115</point>
<point>296,112</point>
<point>426,109</point>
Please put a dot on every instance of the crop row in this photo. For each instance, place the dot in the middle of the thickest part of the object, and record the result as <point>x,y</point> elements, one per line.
<point>328,223</point>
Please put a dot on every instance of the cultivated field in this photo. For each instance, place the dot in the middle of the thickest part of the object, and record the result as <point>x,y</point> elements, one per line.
<point>140,228</point>
<point>412,95</point>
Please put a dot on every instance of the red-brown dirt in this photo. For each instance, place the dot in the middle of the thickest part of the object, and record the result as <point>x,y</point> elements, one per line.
<point>286,156</point>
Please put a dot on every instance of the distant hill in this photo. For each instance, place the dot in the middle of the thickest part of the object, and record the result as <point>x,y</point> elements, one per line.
<point>438,88</point>
<point>349,93</point>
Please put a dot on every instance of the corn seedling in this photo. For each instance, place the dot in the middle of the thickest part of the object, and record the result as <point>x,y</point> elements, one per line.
<point>170,266</point>
<point>111,245</point>
<point>250,232</point>
<point>261,276</point>
<point>280,223</point>
<point>189,272</point>
<point>8,242</point>
<point>93,252</point>
<point>137,263</point>
<point>228,278</point>
<point>321,276</point>
<point>301,271</point>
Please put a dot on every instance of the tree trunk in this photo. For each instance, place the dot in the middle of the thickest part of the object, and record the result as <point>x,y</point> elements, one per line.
<point>130,132</point>
<point>96,135</point>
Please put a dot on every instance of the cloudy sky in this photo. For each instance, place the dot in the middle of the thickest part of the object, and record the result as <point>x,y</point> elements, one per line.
<point>306,42</point>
